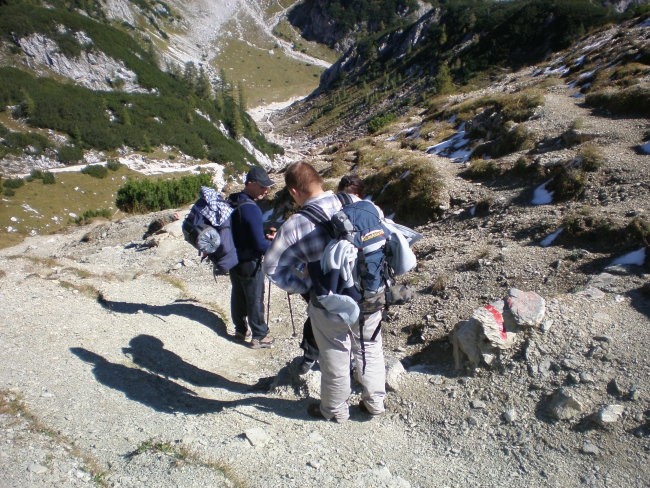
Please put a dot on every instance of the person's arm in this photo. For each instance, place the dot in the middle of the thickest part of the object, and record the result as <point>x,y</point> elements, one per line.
<point>284,262</point>
<point>251,218</point>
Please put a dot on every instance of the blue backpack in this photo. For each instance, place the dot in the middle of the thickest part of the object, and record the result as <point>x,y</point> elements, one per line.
<point>359,223</point>
<point>207,228</point>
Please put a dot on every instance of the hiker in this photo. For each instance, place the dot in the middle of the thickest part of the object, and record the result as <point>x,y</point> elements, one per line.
<point>297,248</point>
<point>353,185</point>
<point>247,278</point>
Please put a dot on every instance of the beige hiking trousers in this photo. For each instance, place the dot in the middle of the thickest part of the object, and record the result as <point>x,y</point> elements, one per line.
<point>337,343</point>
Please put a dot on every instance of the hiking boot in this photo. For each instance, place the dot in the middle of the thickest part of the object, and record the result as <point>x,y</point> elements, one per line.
<point>263,343</point>
<point>305,366</point>
<point>313,410</point>
<point>244,336</point>
<point>364,409</point>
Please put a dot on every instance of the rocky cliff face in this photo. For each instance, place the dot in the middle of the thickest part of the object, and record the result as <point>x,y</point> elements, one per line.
<point>92,69</point>
<point>622,5</point>
<point>393,46</point>
<point>316,24</point>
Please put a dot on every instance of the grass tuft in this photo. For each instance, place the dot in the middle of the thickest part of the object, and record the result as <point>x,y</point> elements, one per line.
<point>591,157</point>
<point>182,455</point>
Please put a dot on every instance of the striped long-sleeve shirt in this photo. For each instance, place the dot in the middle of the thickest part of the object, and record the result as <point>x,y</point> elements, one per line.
<point>298,242</point>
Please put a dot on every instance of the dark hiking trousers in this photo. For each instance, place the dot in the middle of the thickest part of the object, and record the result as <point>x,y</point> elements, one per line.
<point>308,343</point>
<point>247,298</point>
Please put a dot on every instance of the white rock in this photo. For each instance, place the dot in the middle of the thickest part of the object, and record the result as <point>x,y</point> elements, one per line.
<point>257,436</point>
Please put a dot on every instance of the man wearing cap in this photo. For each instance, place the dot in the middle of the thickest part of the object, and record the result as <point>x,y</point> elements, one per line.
<point>247,278</point>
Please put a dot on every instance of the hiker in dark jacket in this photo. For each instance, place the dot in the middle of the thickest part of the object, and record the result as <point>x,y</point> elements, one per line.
<point>247,278</point>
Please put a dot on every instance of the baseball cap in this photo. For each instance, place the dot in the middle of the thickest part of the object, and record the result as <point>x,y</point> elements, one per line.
<point>258,175</point>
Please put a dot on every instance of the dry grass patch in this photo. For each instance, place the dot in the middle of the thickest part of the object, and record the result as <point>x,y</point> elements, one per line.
<point>482,169</point>
<point>49,263</point>
<point>634,100</point>
<point>407,186</point>
<point>182,455</point>
<point>84,289</point>
<point>172,280</point>
<point>567,183</point>
<point>591,157</point>
<point>599,233</point>
<point>517,107</point>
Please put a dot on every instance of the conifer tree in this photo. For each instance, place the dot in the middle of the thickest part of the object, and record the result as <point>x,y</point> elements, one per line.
<point>242,96</point>
<point>203,88</point>
<point>443,81</point>
<point>190,75</point>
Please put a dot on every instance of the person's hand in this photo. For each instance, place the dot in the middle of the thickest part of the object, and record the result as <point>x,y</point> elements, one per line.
<point>270,233</point>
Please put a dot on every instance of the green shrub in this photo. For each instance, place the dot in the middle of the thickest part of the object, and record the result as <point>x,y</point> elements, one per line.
<point>35,174</point>
<point>69,154</point>
<point>89,215</point>
<point>150,196</point>
<point>48,178</point>
<point>95,170</point>
<point>45,176</point>
<point>20,142</point>
<point>113,164</point>
<point>524,168</point>
<point>13,183</point>
<point>380,121</point>
<point>567,184</point>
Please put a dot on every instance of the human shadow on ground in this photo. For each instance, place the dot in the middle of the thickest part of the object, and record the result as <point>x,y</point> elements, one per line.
<point>190,309</point>
<point>148,352</point>
<point>640,299</point>
<point>166,396</point>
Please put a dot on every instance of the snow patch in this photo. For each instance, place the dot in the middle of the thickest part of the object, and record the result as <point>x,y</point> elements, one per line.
<point>541,195</point>
<point>548,240</point>
<point>632,258</point>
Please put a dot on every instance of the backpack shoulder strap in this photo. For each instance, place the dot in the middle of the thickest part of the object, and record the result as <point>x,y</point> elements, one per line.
<point>344,198</point>
<point>315,214</point>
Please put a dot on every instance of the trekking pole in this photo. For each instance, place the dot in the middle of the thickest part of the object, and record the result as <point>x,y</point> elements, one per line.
<point>268,304</point>
<point>293,324</point>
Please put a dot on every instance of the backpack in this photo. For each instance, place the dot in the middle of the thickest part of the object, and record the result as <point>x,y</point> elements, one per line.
<point>381,254</point>
<point>207,228</point>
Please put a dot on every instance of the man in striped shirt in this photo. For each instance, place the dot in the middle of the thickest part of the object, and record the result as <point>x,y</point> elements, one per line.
<point>298,242</point>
